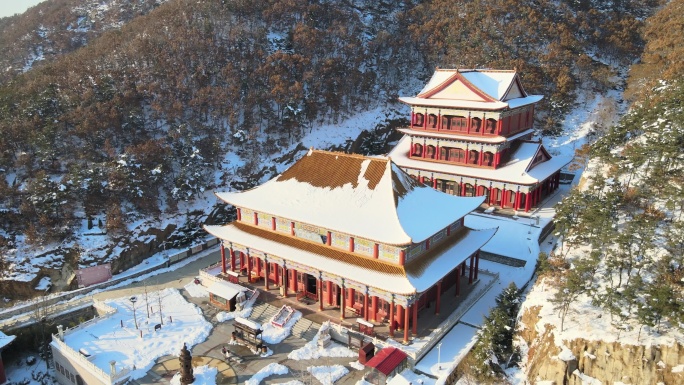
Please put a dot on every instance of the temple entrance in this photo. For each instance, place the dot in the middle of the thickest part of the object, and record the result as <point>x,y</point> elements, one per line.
<point>311,287</point>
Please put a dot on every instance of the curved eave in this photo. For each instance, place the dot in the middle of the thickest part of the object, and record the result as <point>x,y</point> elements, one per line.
<point>424,272</point>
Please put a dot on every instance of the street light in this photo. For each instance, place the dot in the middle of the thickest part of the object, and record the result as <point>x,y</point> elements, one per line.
<point>439,356</point>
<point>133,300</point>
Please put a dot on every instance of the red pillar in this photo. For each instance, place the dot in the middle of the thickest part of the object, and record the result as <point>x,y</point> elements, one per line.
<point>527,202</point>
<point>256,218</point>
<point>351,244</point>
<point>294,281</point>
<point>239,214</point>
<point>470,273</point>
<point>328,288</point>
<point>480,158</point>
<point>265,274</point>
<point>434,183</point>
<point>517,200</point>
<point>492,195</point>
<point>328,240</point>
<point>365,306</point>
<point>292,229</point>
<point>374,308</point>
<point>415,319</point>
<point>319,286</point>
<point>391,319</point>
<point>343,304</point>
<point>463,189</point>
<point>406,324</point>
<point>223,258</point>
<point>352,297</point>
<point>439,296</point>
<point>504,194</point>
<point>400,315</point>
<point>285,283</point>
<point>232,260</point>
<point>273,223</point>
<point>249,268</point>
<point>258,267</point>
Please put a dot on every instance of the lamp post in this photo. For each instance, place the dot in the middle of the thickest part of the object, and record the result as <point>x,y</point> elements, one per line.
<point>439,356</point>
<point>133,300</point>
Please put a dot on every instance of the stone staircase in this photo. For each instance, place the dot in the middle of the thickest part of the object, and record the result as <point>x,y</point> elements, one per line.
<point>303,328</point>
<point>263,312</point>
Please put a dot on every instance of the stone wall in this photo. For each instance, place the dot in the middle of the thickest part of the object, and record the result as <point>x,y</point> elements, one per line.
<point>608,362</point>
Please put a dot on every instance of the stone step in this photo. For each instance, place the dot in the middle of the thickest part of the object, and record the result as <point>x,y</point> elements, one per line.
<point>299,328</point>
<point>311,332</point>
<point>266,314</point>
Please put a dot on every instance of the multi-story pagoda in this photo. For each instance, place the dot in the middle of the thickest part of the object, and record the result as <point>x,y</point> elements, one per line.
<point>353,232</point>
<point>470,135</point>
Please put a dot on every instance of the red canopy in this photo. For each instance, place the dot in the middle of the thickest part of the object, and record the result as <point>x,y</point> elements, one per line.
<point>387,360</point>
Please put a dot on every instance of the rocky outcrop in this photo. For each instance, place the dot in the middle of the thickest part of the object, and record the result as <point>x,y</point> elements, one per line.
<point>582,361</point>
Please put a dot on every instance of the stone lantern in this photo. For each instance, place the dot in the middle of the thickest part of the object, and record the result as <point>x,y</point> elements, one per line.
<point>186,367</point>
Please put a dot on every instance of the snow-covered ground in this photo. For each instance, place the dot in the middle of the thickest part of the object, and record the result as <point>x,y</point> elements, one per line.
<point>274,334</point>
<point>269,370</point>
<point>327,375</point>
<point>312,351</point>
<point>183,323</point>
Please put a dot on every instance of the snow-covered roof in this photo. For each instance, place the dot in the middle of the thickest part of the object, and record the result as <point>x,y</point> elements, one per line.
<point>473,89</point>
<point>225,289</point>
<point>469,138</point>
<point>249,323</point>
<point>5,339</point>
<point>371,198</point>
<point>416,276</point>
<point>386,360</point>
<point>516,170</point>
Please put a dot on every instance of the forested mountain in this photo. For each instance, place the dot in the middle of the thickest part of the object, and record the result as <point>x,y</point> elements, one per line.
<point>54,28</point>
<point>623,228</point>
<point>133,111</point>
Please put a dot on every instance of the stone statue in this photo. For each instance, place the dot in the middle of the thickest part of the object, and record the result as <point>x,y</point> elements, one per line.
<point>186,366</point>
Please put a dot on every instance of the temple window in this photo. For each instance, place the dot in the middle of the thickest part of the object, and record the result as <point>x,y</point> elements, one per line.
<point>459,123</point>
<point>419,120</point>
<point>488,159</point>
<point>427,181</point>
<point>451,188</point>
<point>430,152</point>
<point>432,121</point>
<point>491,126</point>
<point>469,190</point>
<point>476,125</point>
<point>444,153</point>
<point>417,149</point>
<point>473,156</point>
<point>457,155</point>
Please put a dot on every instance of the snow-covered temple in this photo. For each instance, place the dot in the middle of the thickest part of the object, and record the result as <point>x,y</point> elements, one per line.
<point>470,135</point>
<point>353,233</point>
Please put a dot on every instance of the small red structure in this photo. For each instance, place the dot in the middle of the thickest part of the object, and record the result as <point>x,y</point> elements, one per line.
<point>366,352</point>
<point>386,363</point>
